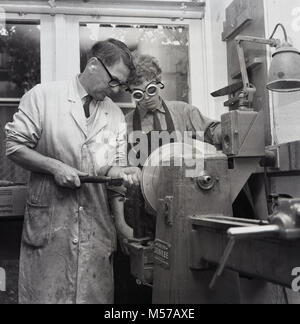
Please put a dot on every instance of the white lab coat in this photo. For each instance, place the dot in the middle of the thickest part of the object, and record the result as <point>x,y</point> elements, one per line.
<point>69,235</point>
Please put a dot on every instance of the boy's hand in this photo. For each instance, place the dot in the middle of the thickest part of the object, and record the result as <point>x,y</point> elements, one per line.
<point>125,233</point>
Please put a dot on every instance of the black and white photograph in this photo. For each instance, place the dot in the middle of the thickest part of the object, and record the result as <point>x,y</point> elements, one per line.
<point>149,154</point>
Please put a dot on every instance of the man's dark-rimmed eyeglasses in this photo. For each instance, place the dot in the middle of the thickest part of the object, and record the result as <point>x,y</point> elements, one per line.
<point>114,82</point>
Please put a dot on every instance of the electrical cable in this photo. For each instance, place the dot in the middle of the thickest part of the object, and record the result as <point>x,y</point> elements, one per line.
<point>284,32</point>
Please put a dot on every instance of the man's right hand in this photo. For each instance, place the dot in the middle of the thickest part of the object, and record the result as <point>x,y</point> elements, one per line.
<point>66,176</point>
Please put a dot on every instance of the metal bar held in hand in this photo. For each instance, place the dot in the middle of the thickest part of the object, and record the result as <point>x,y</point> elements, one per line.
<point>101,179</point>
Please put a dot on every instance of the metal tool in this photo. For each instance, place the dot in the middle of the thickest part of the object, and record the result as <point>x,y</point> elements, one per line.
<point>101,179</point>
<point>284,223</point>
<point>228,90</point>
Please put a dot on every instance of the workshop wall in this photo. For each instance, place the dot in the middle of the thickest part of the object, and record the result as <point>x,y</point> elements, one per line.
<point>285,108</point>
<point>216,53</point>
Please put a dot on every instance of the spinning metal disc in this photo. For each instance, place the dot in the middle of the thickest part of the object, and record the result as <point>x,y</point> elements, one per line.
<point>178,154</point>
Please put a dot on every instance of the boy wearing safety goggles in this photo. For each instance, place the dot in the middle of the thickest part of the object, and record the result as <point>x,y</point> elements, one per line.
<point>153,116</point>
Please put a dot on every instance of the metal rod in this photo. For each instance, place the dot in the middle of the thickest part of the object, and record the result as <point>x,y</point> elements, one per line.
<point>102,179</point>
<point>223,262</point>
<point>243,66</point>
<point>272,42</point>
<point>253,231</point>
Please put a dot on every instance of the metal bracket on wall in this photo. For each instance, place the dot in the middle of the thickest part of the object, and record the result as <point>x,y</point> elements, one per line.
<point>230,31</point>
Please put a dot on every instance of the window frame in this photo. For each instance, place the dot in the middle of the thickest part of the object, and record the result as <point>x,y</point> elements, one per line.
<point>60,47</point>
<point>132,104</point>
<point>198,82</point>
<point>32,18</point>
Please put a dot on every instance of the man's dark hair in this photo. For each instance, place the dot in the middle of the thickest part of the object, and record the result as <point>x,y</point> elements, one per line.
<point>112,51</point>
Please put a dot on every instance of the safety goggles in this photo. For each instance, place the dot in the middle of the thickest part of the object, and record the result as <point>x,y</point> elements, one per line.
<point>151,90</point>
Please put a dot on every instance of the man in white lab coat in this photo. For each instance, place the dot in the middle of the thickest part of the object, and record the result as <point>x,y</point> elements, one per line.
<point>62,131</point>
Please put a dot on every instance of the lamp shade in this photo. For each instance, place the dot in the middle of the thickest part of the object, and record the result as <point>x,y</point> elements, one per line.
<point>284,73</point>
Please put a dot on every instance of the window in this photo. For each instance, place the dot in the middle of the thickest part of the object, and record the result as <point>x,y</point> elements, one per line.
<point>19,72</point>
<point>19,58</point>
<point>169,44</point>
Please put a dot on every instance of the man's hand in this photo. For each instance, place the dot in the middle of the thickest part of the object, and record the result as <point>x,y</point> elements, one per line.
<point>131,176</point>
<point>66,176</point>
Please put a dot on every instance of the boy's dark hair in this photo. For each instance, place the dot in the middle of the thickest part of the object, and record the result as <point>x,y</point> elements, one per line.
<point>146,69</point>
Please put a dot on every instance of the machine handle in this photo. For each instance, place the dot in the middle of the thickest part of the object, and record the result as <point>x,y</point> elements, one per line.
<point>253,231</point>
<point>222,263</point>
<point>101,179</point>
<point>239,233</point>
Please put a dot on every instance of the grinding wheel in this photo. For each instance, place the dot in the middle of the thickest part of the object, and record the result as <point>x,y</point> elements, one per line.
<point>167,155</point>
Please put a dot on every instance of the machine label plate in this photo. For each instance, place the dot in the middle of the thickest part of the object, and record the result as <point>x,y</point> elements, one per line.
<point>162,253</point>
